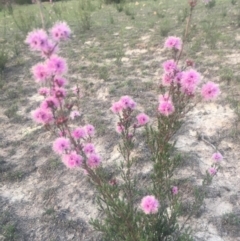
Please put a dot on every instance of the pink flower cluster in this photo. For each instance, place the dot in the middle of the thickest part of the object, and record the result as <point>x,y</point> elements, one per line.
<point>149,205</point>
<point>217,158</point>
<point>185,80</point>
<point>124,108</point>
<point>125,103</point>
<point>173,43</point>
<point>165,106</point>
<point>74,146</point>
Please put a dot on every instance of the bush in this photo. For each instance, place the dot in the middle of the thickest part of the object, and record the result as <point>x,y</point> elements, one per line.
<point>21,2</point>
<point>113,1</point>
<point>3,60</point>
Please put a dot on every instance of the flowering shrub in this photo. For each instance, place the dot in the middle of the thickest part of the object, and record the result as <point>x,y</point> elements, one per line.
<point>131,212</point>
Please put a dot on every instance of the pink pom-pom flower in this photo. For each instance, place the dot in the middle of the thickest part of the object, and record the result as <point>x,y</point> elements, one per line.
<point>174,190</point>
<point>217,157</point>
<point>60,31</point>
<point>42,116</point>
<point>57,65</point>
<point>90,130</point>
<point>127,102</point>
<point>79,132</point>
<point>72,160</point>
<point>149,205</point>
<point>166,108</point>
<point>169,66</point>
<point>40,72</point>
<point>61,144</point>
<point>50,103</point>
<point>142,119</point>
<point>37,40</point>
<point>94,160</point>
<point>212,171</point>
<point>89,148</point>
<point>210,91</point>
<point>44,91</point>
<point>190,78</point>
<point>173,42</point>
<point>116,107</point>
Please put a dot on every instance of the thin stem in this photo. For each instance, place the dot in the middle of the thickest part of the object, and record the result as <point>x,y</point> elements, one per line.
<point>41,13</point>
<point>186,33</point>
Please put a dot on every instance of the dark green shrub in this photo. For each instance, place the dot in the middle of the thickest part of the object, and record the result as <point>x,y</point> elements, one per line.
<point>21,2</point>
<point>211,4</point>
<point>3,60</point>
<point>113,1</point>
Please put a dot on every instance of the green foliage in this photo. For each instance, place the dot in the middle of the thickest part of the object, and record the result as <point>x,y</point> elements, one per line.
<point>129,11</point>
<point>226,74</point>
<point>183,14</point>
<point>210,4</point>
<point>238,18</point>
<point>212,36</point>
<point>21,2</point>
<point>83,14</point>
<point>231,223</point>
<point>165,28</point>
<point>25,23</point>
<point>3,59</point>
<point>231,219</point>
<point>9,231</point>
<point>11,111</point>
<point>120,7</point>
<point>113,1</point>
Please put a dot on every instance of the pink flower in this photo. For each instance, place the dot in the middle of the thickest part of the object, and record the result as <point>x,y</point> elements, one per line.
<point>119,128</point>
<point>174,190</point>
<point>89,148</point>
<point>173,43</point>
<point>57,65</point>
<point>166,108</point>
<point>90,130</point>
<point>178,78</point>
<point>59,93</point>
<point>189,89</point>
<point>37,39</point>
<point>60,81</point>
<point>40,72</point>
<point>167,79</point>
<point>212,171</point>
<point>217,157</point>
<point>42,116</point>
<point>72,160</point>
<point>149,205</point>
<point>142,119</point>
<point>50,102</point>
<point>127,102</point>
<point>210,91</point>
<point>74,114</point>
<point>94,160</point>
<point>43,91</point>
<point>116,107</point>
<point>190,78</point>
<point>61,144</point>
<point>79,132</point>
<point>169,66</point>
<point>60,31</point>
